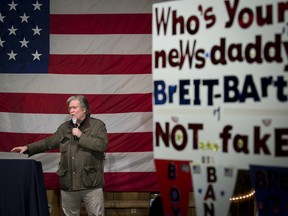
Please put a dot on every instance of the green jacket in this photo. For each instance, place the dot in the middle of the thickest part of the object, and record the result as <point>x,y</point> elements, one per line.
<point>81,164</point>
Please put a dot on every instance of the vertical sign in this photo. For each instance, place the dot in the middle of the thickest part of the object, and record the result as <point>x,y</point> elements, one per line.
<point>175,184</point>
<point>213,186</point>
<point>271,186</point>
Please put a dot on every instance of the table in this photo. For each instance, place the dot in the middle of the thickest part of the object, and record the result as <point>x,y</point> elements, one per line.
<point>22,190</point>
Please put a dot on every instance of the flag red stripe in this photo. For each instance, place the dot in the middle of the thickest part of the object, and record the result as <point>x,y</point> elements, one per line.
<point>10,140</point>
<point>55,103</point>
<point>132,181</point>
<point>100,64</point>
<point>100,24</point>
<point>118,142</point>
<point>130,142</point>
<point>120,181</point>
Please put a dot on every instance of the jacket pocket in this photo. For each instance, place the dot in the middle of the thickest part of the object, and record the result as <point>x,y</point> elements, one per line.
<point>92,177</point>
<point>64,146</point>
<point>64,178</point>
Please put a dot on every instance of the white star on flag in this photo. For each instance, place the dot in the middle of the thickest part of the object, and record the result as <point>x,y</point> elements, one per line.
<point>12,6</point>
<point>36,55</point>
<point>12,55</point>
<point>36,30</point>
<point>24,43</point>
<point>2,18</point>
<point>37,6</point>
<point>1,42</point>
<point>24,18</point>
<point>12,30</point>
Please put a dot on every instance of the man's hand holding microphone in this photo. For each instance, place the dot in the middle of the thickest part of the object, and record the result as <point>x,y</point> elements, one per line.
<point>75,131</point>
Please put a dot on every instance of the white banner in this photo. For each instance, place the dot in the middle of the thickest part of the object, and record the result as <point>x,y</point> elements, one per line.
<point>220,77</point>
<point>220,74</point>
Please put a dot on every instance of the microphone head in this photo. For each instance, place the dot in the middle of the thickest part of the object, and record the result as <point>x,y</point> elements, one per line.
<point>74,120</point>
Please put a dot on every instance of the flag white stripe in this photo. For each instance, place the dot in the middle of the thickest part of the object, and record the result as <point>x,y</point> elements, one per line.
<point>114,162</point>
<point>47,123</point>
<point>76,84</point>
<point>101,7</point>
<point>100,44</point>
<point>129,162</point>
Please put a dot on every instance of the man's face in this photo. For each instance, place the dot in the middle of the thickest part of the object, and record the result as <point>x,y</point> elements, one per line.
<point>76,110</point>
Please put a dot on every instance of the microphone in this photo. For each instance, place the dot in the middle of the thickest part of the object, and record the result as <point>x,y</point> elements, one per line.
<point>74,121</point>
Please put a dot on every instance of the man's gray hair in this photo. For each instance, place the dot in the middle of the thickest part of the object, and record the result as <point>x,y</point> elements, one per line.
<point>83,102</point>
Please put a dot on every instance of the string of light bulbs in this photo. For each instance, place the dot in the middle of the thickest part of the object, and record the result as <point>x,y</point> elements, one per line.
<point>242,197</point>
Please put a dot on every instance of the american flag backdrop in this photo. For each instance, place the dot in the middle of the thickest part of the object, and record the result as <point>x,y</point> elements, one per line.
<point>98,48</point>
